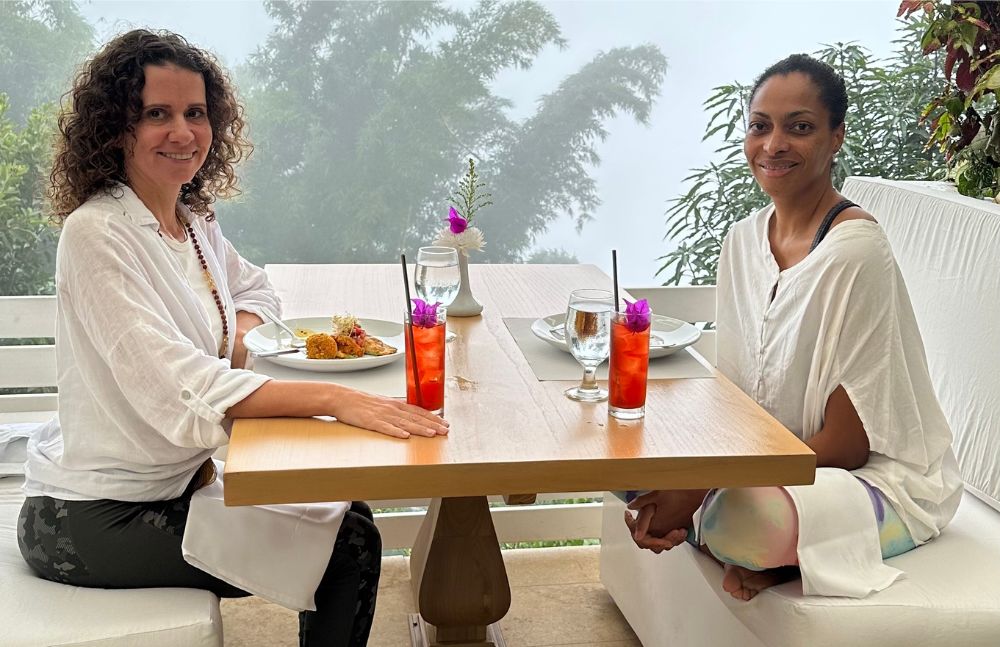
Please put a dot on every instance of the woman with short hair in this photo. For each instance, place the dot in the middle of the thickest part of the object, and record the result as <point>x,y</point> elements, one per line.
<point>815,324</point>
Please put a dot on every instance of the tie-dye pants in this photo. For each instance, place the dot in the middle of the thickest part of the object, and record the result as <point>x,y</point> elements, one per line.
<point>757,528</point>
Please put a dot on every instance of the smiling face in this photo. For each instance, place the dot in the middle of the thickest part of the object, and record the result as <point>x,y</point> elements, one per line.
<point>789,143</point>
<point>170,141</point>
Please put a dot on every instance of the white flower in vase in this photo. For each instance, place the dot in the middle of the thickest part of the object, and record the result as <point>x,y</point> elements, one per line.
<point>461,235</point>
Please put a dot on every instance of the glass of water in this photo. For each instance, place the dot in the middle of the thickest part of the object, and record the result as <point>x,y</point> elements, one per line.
<point>437,278</point>
<point>588,334</point>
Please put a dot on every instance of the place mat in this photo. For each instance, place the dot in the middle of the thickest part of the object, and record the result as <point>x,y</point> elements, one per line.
<point>549,363</point>
<point>388,380</point>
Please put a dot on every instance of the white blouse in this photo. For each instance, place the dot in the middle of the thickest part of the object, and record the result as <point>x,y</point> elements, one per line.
<point>193,272</point>
<point>142,393</point>
<point>841,316</point>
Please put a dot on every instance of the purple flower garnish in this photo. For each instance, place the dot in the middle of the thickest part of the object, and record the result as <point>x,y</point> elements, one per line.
<point>637,315</point>
<point>425,314</point>
<point>457,223</point>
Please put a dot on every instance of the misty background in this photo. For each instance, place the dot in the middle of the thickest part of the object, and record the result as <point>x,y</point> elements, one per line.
<point>585,117</point>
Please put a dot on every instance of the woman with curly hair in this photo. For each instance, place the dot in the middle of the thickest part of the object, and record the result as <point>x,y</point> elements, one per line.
<point>153,304</point>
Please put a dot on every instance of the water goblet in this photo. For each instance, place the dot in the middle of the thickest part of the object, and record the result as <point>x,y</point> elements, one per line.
<point>437,278</point>
<point>588,334</point>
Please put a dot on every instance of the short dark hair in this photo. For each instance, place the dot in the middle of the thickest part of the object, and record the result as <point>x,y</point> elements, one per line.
<point>832,91</point>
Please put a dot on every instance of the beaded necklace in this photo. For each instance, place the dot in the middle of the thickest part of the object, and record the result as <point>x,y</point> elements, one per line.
<point>211,286</point>
<point>214,288</point>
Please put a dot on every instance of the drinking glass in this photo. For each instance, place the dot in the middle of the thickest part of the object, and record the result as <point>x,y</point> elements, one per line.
<point>436,277</point>
<point>588,334</point>
<point>428,353</point>
<point>628,370</point>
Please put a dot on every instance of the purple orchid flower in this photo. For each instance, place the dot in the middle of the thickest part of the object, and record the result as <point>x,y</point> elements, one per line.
<point>637,315</point>
<point>425,314</point>
<point>457,223</point>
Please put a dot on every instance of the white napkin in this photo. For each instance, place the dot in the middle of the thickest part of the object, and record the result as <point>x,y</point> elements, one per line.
<point>14,446</point>
<point>277,552</point>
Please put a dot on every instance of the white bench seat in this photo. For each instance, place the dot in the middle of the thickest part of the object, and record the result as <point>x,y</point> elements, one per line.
<point>945,245</point>
<point>951,595</point>
<point>36,612</point>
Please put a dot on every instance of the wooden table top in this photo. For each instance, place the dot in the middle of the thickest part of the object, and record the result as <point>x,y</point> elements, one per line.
<point>510,433</point>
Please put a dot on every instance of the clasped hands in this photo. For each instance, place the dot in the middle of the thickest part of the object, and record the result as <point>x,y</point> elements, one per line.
<point>663,519</point>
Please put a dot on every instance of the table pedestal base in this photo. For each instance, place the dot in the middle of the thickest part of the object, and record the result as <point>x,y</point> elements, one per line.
<point>420,633</point>
<point>458,576</point>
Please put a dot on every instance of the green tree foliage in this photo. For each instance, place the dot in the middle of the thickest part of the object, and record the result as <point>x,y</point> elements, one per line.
<point>41,43</point>
<point>963,115</point>
<point>27,241</point>
<point>364,113</point>
<point>552,255</point>
<point>883,139</point>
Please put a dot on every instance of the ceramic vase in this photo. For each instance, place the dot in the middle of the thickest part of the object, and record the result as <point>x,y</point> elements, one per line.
<point>464,305</point>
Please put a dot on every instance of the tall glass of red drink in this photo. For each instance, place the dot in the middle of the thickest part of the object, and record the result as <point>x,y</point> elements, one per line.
<point>428,352</point>
<point>629,366</point>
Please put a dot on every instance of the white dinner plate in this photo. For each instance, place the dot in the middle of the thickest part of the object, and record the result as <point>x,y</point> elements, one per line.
<point>268,337</point>
<point>668,335</point>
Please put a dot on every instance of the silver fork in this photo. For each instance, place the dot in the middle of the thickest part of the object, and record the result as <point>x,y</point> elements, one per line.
<point>295,342</point>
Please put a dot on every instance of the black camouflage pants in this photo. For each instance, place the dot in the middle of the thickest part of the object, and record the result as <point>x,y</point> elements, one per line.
<point>120,545</point>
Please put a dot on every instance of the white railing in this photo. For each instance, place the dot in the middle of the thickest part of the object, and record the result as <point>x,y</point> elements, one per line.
<point>541,521</point>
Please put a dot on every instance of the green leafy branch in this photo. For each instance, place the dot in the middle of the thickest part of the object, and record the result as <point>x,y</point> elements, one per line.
<point>470,197</point>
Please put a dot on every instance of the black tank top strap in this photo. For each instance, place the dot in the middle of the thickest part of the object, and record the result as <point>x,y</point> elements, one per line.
<point>824,227</point>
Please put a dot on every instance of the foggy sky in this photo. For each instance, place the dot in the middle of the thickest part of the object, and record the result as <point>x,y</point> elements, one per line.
<point>706,43</point>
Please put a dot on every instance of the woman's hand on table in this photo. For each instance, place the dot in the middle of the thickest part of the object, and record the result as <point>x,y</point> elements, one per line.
<point>388,416</point>
<point>295,399</point>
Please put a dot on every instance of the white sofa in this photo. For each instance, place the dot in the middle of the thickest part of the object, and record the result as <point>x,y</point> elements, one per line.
<point>947,248</point>
<point>35,612</point>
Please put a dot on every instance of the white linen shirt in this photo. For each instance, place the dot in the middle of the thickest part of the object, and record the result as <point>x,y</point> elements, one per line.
<point>841,316</point>
<point>142,394</point>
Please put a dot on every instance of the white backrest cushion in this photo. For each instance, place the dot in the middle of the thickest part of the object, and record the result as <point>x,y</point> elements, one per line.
<point>948,249</point>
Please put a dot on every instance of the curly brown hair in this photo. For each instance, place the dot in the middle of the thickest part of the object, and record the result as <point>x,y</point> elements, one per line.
<point>106,105</point>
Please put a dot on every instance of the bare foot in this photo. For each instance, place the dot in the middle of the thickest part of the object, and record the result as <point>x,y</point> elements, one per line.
<point>744,584</point>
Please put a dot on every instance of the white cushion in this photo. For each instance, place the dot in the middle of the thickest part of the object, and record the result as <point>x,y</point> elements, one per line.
<point>946,245</point>
<point>36,612</point>
<point>951,594</point>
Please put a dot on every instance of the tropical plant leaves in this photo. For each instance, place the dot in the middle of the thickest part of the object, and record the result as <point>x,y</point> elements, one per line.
<point>884,138</point>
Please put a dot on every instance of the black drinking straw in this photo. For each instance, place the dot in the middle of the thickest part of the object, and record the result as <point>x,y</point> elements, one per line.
<point>409,333</point>
<point>614,274</point>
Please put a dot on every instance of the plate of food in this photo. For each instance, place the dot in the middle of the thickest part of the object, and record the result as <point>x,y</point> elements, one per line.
<point>331,344</point>
<point>668,335</point>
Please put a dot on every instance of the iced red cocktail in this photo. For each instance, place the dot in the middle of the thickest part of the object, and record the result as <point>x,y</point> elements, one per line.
<point>629,368</point>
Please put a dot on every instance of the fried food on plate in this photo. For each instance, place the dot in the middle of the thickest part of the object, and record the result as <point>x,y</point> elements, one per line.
<point>339,345</point>
<point>374,346</point>
<point>348,347</point>
<point>321,346</point>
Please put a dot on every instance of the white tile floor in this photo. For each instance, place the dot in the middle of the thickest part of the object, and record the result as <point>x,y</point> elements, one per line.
<point>557,599</point>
